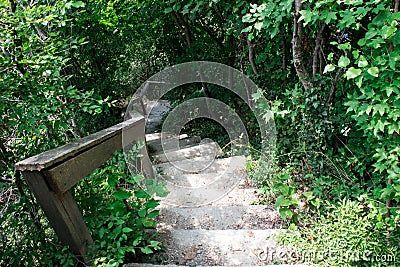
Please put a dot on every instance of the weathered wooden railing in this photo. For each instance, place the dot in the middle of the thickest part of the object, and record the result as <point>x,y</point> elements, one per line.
<point>52,174</point>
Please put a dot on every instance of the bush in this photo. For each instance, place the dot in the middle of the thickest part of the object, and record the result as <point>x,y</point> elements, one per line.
<point>116,210</point>
<point>347,233</point>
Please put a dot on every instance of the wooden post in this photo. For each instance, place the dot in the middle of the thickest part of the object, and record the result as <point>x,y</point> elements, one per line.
<point>50,176</point>
<point>62,212</point>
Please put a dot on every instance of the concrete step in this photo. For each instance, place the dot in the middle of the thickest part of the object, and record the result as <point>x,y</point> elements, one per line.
<point>219,218</point>
<point>201,165</point>
<point>156,146</point>
<point>212,197</point>
<point>156,137</point>
<point>216,247</point>
<point>192,190</point>
<point>215,179</point>
<point>208,150</point>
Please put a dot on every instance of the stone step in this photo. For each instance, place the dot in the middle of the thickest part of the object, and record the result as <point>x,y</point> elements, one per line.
<point>208,150</point>
<point>155,146</point>
<point>216,247</point>
<point>156,137</point>
<point>219,218</point>
<point>200,165</point>
<point>211,197</point>
<point>215,179</point>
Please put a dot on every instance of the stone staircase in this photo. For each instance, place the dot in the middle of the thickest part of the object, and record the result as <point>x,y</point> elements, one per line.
<point>208,218</point>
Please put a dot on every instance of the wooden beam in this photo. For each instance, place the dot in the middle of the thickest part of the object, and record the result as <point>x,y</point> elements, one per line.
<point>56,156</point>
<point>135,135</point>
<point>65,175</point>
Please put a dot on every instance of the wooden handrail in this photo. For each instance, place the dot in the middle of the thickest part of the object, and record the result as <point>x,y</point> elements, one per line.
<point>50,176</point>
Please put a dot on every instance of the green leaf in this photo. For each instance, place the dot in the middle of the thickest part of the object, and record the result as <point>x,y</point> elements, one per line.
<point>330,16</point>
<point>248,18</point>
<point>248,29</point>
<point>146,250</point>
<point>309,195</point>
<point>343,62</point>
<point>161,190</point>
<point>374,71</point>
<point>396,38</point>
<point>362,62</point>
<point>141,194</point>
<point>345,46</point>
<point>281,201</point>
<point>285,213</point>
<point>142,213</point>
<point>348,18</point>
<point>78,4</point>
<point>352,73</point>
<point>127,230</point>
<point>137,241</point>
<point>258,25</point>
<point>153,214</point>
<point>151,204</point>
<point>176,7</point>
<point>352,104</point>
<point>121,194</point>
<point>137,178</point>
<point>380,108</point>
<point>356,53</point>
<point>389,90</point>
<point>168,10</point>
<point>306,15</point>
<point>329,68</point>
<point>359,81</point>
<point>381,18</point>
<point>154,243</point>
<point>149,223</point>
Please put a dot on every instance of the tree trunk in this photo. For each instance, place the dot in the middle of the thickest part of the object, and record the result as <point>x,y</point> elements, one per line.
<point>318,42</point>
<point>298,49</point>
<point>251,56</point>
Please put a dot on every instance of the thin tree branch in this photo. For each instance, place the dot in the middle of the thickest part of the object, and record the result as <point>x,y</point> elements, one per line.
<point>284,52</point>
<point>333,87</point>
<point>251,56</point>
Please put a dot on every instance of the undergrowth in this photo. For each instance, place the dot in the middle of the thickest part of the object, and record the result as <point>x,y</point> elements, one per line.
<point>118,212</point>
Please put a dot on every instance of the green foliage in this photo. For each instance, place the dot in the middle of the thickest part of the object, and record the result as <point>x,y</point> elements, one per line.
<point>348,233</point>
<point>266,19</point>
<point>27,238</point>
<point>118,213</point>
<point>323,157</point>
<point>40,109</point>
<point>68,67</point>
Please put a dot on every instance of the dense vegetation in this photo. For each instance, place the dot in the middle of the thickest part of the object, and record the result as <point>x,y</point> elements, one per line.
<point>329,68</point>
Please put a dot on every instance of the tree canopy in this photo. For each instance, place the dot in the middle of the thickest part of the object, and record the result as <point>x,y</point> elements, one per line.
<point>330,70</point>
